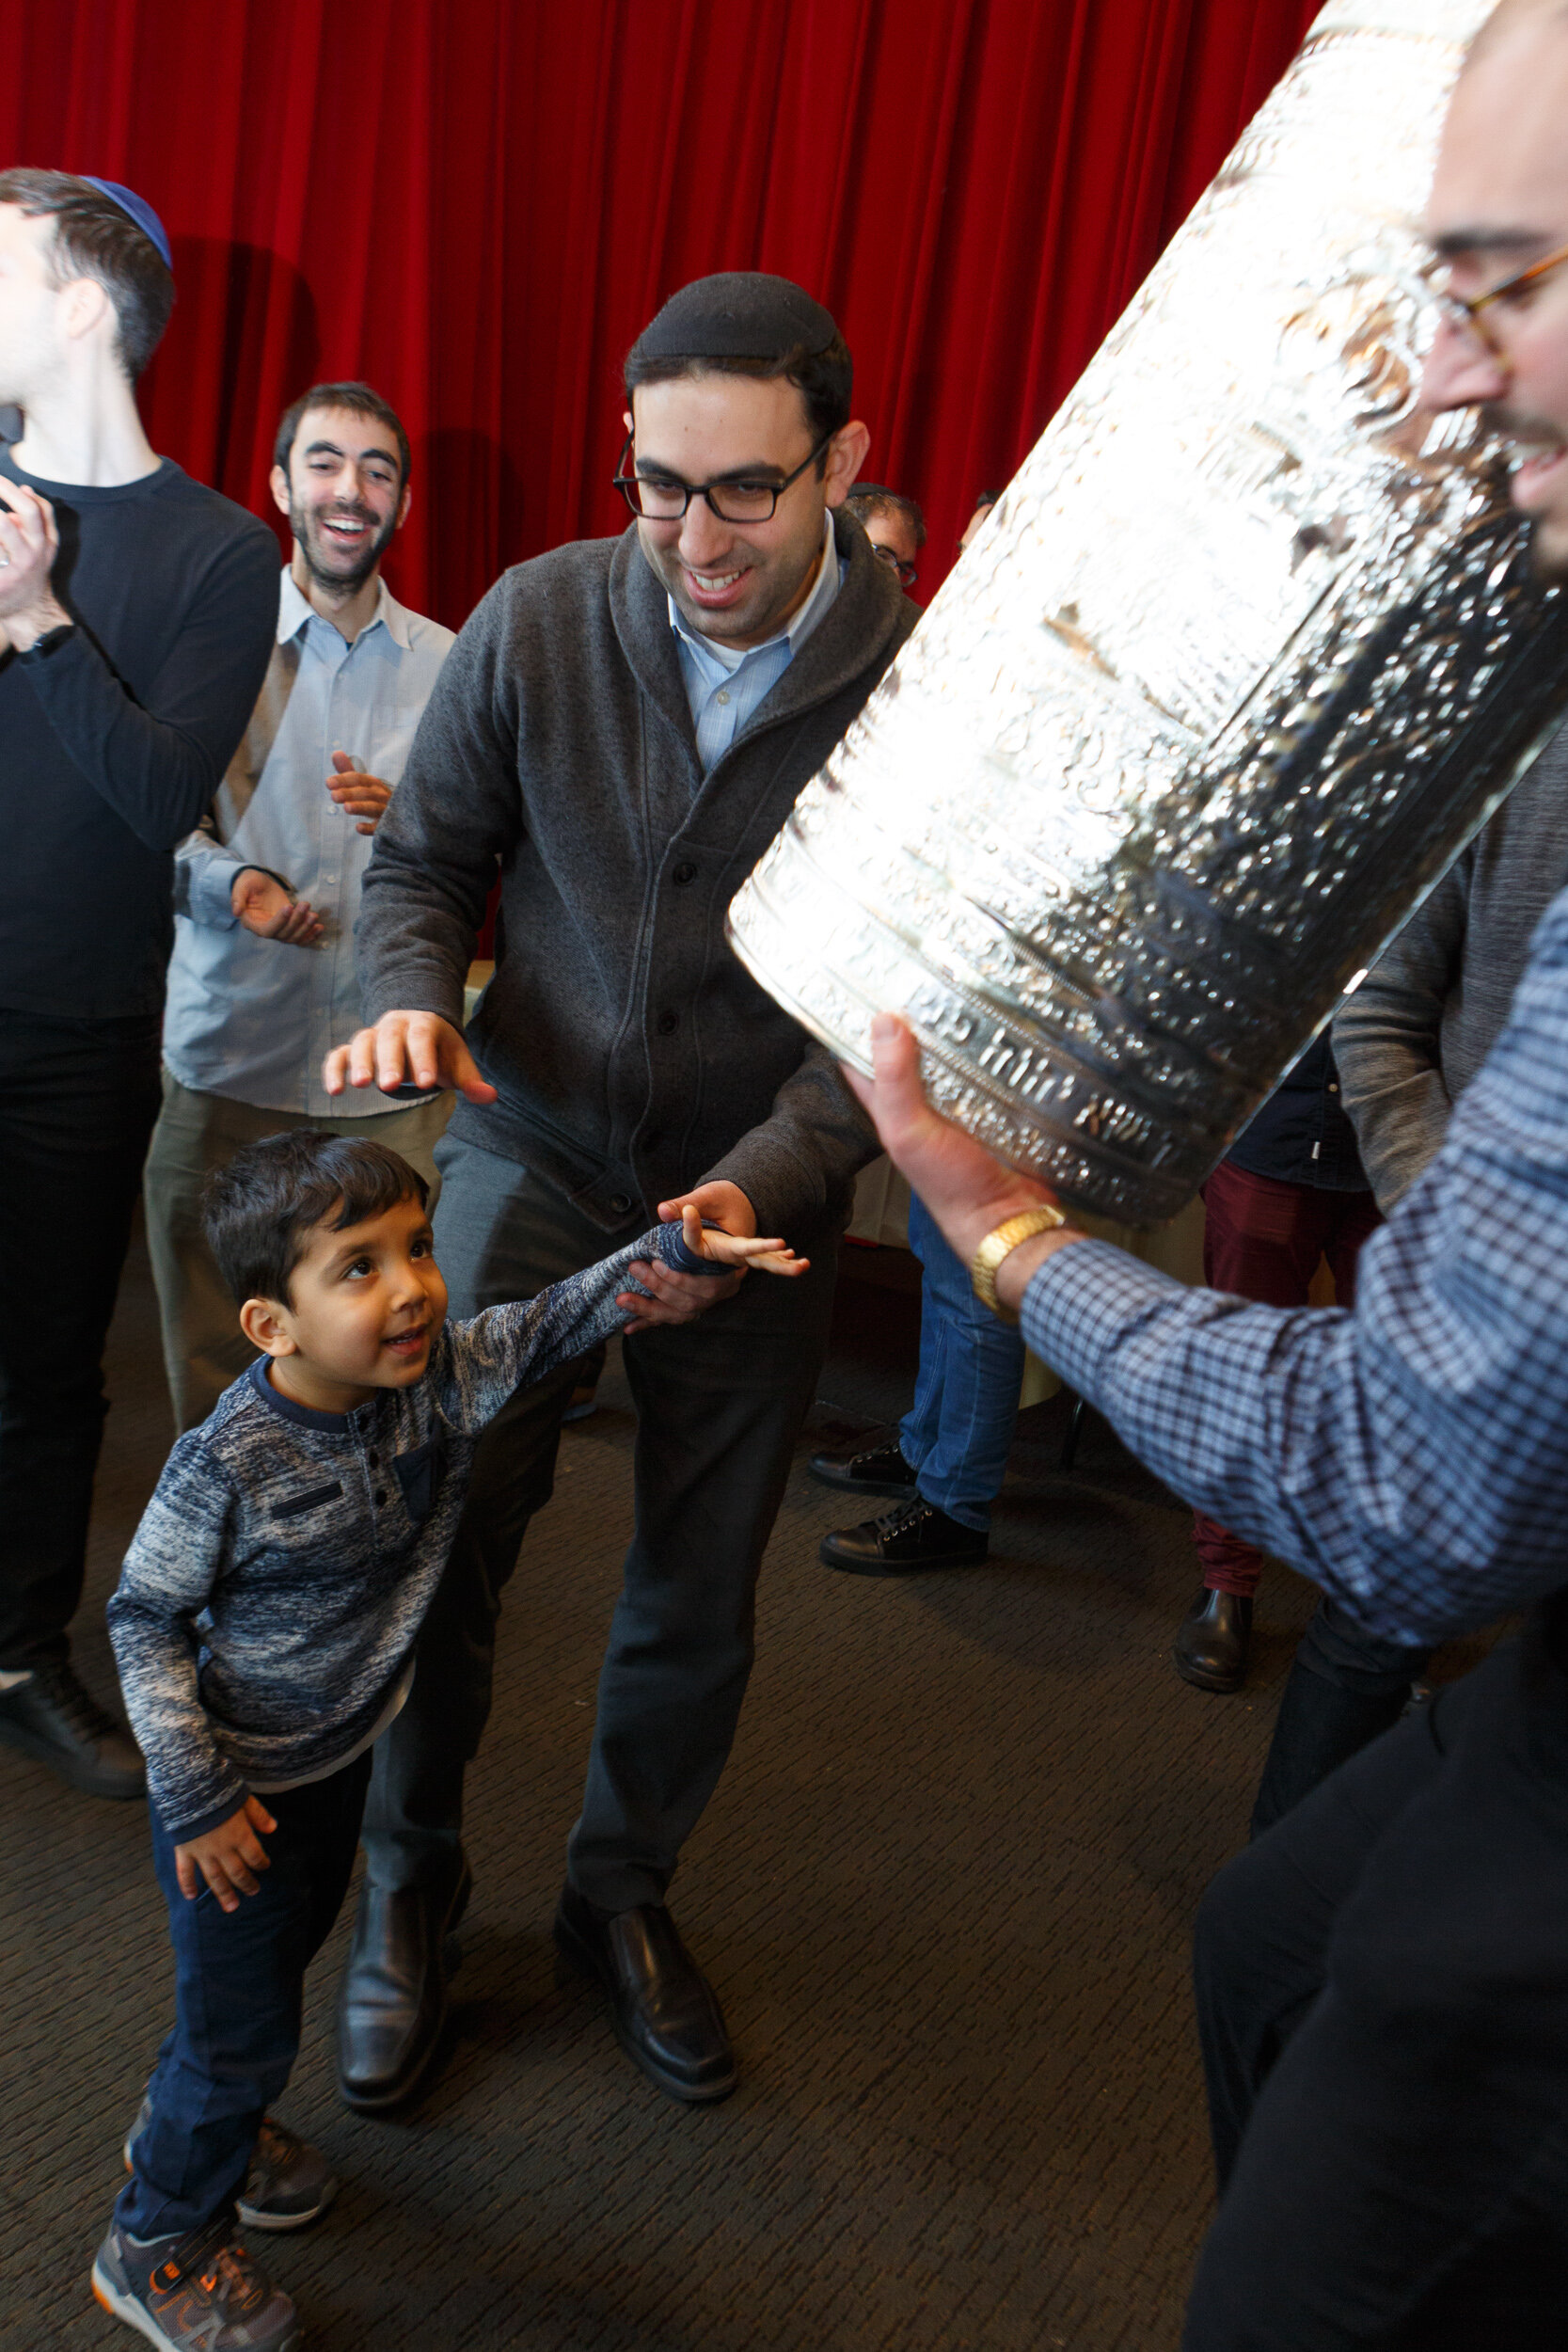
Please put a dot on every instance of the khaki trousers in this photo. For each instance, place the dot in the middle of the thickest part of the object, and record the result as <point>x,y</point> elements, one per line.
<point>204,1349</point>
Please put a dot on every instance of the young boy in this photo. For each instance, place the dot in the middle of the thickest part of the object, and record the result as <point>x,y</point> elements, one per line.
<point>264,1626</point>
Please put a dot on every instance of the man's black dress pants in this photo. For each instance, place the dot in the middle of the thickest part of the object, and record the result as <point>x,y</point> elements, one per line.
<point>719,1405</point>
<point>1382,1999</point>
<point>77,1102</point>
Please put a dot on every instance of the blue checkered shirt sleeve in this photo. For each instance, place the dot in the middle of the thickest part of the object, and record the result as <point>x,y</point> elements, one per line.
<point>1410,1457</point>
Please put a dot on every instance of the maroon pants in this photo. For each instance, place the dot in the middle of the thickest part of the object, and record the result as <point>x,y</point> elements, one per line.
<point>1263,1240</point>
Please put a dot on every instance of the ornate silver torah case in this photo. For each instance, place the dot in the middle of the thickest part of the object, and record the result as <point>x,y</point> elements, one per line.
<point>1244,657</point>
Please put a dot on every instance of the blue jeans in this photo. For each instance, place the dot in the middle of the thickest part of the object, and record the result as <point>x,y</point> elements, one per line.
<point>239,1980</point>
<point>957,1432</point>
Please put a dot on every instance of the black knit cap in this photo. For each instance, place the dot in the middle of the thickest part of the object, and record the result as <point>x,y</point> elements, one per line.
<point>737,314</point>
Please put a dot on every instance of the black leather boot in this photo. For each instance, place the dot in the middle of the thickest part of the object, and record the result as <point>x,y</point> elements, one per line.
<point>1212,1646</point>
<point>392,2001</point>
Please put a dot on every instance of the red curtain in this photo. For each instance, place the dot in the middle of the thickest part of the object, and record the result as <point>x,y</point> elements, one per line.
<point>476,206</point>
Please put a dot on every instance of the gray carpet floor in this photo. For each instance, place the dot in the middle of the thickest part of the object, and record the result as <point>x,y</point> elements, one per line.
<point>945,1890</point>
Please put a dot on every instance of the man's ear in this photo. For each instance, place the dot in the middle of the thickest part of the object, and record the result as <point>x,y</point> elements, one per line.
<point>846,453</point>
<point>278,482</point>
<point>266,1323</point>
<point>87,306</point>
<point>402,507</point>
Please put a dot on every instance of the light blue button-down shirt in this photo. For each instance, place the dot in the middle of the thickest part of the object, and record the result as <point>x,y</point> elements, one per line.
<point>252,1018</point>
<point>725,687</point>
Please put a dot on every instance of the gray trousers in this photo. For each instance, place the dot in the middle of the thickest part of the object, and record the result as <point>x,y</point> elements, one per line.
<point>719,1406</point>
<point>204,1348</point>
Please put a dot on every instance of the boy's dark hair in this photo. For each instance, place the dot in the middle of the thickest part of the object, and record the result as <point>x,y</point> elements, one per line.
<point>360,401</point>
<point>874,498</point>
<point>95,238</point>
<point>985,498</point>
<point>259,1213</point>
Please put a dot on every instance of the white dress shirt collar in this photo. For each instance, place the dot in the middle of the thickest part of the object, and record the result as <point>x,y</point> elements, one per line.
<point>294,610</point>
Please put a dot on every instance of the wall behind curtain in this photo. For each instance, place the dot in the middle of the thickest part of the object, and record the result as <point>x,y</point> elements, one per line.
<point>476,204</point>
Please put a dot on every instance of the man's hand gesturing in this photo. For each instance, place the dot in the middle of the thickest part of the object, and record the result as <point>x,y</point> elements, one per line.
<point>29,542</point>
<point>357,793</point>
<point>417,1049</point>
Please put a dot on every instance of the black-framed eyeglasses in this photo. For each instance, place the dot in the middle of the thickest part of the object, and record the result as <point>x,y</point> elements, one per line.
<point>894,562</point>
<point>1465,313</point>
<point>742,502</point>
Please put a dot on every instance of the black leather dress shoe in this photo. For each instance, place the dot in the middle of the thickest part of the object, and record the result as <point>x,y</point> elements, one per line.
<point>878,1469</point>
<point>392,2001</point>
<point>667,2015</point>
<point>51,1718</point>
<point>910,1536</point>
<point>1212,1646</point>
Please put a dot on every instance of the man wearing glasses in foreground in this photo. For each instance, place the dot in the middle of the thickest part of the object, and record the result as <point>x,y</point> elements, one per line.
<point>1382,1976</point>
<point>625,725</point>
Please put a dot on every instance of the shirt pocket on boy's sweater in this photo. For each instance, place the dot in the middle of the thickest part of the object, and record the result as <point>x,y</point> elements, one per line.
<point>313,1499</point>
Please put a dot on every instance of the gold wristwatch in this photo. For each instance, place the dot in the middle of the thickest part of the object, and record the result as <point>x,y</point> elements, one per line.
<point>998,1244</point>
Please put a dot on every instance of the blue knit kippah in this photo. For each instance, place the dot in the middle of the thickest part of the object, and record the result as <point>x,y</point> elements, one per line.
<point>737,314</point>
<point>136,208</point>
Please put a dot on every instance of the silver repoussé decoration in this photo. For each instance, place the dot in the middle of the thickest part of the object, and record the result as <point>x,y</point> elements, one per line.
<point>1244,657</point>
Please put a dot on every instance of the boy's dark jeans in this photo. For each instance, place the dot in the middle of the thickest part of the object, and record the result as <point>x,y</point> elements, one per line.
<point>77,1102</point>
<point>239,1977</point>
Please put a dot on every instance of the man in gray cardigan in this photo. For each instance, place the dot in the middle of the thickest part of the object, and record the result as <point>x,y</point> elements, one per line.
<point>1426,1016</point>
<point>621,729</point>
<point>1407,1044</point>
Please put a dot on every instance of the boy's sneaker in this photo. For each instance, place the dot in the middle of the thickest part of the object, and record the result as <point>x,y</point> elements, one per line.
<point>203,2292</point>
<point>288,2184</point>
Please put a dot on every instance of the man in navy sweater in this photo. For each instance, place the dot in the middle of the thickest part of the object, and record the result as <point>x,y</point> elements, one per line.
<point>136,614</point>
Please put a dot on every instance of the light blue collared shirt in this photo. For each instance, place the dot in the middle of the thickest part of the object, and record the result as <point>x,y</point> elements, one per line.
<point>252,1018</point>
<point>726,686</point>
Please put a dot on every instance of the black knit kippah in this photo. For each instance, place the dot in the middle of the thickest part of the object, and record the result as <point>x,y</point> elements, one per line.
<point>738,314</point>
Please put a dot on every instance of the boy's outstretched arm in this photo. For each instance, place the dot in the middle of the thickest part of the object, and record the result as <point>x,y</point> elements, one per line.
<point>662,1277</point>
<point>678,1296</point>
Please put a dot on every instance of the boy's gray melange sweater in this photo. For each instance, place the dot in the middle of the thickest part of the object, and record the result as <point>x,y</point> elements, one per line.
<point>271,1597</point>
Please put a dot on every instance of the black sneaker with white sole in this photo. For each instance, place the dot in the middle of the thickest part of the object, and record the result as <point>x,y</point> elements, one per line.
<point>289,2184</point>
<point>201,2293</point>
